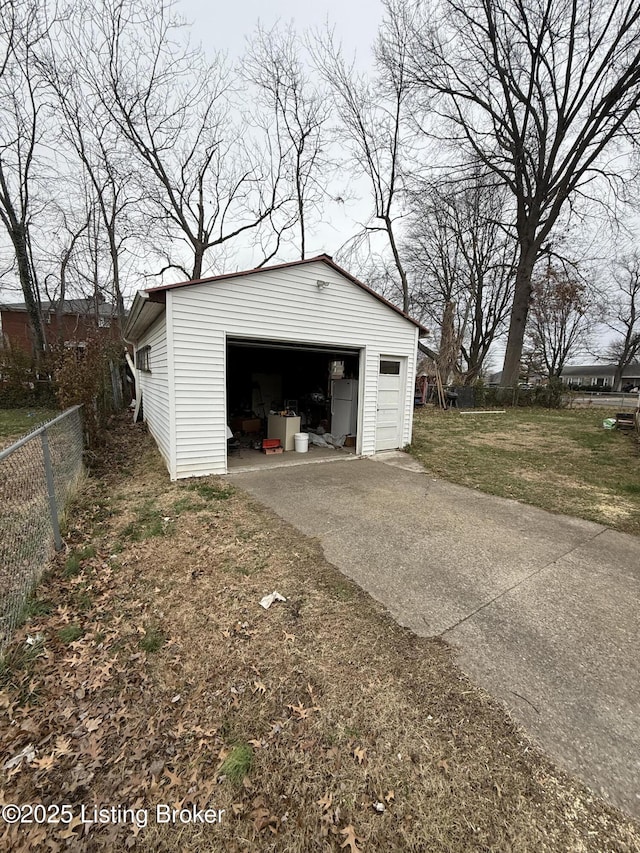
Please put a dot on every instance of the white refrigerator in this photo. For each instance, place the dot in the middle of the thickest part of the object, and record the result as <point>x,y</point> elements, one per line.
<point>344,407</point>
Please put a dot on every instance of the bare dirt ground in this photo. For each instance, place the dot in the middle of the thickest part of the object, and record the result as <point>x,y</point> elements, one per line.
<point>152,676</point>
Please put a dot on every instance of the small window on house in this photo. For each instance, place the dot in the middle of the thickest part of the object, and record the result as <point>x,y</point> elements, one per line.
<point>104,322</point>
<point>391,368</point>
<point>142,359</point>
<point>78,348</point>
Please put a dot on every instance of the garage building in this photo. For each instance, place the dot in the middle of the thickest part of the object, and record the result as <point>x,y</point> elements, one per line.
<point>230,348</point>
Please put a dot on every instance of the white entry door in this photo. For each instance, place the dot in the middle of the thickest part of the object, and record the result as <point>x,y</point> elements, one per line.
<point>390,403</point>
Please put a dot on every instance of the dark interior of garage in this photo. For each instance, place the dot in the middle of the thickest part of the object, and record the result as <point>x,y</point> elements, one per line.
<point>263,379</point>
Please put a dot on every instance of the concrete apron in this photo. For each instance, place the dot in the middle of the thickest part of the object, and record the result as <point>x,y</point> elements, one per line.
<point>542,609</point>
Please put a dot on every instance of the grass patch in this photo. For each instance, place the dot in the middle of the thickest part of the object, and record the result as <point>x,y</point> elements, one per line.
<point>559,460</point>
<point>14,423</point>
<point>82,601</point>
<point>35,607</point>
<point>631,488</point>
<point>72,565</point>
<point>342,589</point>
<point>187,504</point>
<point>153,640</point>
<point>70,633</point>
<point>148,523</point>
<point>212,491</point>
<point>238,763</point>
<point>17,665</point>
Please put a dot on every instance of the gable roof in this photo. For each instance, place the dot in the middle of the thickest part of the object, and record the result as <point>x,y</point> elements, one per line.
<point>326,259</point>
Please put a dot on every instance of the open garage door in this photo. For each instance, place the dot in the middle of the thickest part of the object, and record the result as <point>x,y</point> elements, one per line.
<point>272,376</point>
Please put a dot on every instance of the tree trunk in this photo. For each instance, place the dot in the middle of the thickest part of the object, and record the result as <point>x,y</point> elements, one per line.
<point>198,256</point>
<point>18,238</point>
<point>396,257</point>
<point>449,344</point>
<point>519,314</point>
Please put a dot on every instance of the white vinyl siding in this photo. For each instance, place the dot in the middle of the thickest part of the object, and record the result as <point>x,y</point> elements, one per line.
<point>155,386</point>
<point>283,305</point>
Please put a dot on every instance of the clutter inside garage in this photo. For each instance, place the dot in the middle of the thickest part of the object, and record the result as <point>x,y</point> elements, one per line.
<point>285,398</point>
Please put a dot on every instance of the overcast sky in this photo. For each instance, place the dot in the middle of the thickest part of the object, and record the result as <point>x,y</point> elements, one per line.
<point>226,27</point>
<point>356,25</point>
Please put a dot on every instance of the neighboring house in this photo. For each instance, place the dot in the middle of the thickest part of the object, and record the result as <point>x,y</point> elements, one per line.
<point>205,351</point>
<point>77,320</point>
<point>597,376</point>
<point>531,379</point>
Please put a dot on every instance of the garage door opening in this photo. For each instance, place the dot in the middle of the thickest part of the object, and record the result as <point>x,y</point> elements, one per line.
<point>278,391</point>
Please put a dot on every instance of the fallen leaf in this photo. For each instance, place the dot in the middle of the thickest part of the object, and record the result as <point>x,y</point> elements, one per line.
<point>46,762</point>
<point>261,818</point>
<point>63,746</point>
<point>390,796</point>
<point>259,687</point>
<point>351,840</point>
<point>68,832</point>
<point>325,802</point>
<point>301,712</point>
<point>174,779</point>
<point>360,754</point>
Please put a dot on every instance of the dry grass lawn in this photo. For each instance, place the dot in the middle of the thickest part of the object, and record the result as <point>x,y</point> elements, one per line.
<point>14,423</point>
<point>318,725</point>
<point>560,460</point>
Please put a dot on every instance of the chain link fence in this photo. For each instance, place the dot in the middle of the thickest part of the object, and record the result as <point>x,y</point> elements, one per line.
<point>38,475</point>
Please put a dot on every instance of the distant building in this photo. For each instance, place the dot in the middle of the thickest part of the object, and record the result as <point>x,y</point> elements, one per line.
<point>599,376</point>
<point>72,323</point>
<point>532,379</point>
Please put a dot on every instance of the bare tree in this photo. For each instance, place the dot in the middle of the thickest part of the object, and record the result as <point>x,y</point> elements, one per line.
<point>87,129</point>
<point>458,253</point>
<point>300,111</point>
<point>540,92</point>
<point>55,284</point>
<point>373,115</point>
<point>624,315</point>
<point>206,180</point>
<point>20,132</point>
<point>560,319</point>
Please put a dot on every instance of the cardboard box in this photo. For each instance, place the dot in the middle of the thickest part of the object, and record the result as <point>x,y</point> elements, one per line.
<point>350,441</point>
<point>246,425</point>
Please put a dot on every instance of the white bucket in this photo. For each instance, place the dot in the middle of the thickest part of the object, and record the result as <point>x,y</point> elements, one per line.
<point>301,441</point>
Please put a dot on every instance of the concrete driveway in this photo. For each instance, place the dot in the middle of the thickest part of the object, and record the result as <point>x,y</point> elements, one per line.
<point>542,609</point>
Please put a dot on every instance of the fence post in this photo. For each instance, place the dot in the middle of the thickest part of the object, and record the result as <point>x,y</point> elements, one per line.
<point>51,491</point>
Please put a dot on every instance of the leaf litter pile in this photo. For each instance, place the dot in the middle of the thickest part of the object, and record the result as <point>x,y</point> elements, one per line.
<point>147,673</point>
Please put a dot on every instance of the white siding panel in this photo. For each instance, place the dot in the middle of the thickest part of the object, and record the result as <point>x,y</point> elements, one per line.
<point>155,386</point>
<point>407,429</point>
<point>284,305</point>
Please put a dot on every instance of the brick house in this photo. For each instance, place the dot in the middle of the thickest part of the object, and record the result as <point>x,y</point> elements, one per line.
<point>78,319</point>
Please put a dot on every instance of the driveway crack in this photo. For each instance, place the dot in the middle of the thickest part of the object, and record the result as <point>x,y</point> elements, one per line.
<point>523,580</point>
